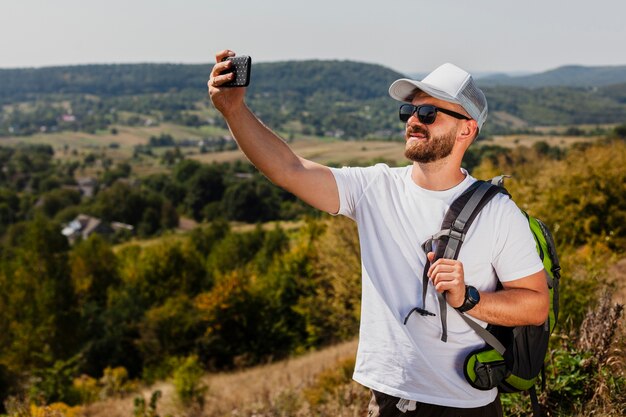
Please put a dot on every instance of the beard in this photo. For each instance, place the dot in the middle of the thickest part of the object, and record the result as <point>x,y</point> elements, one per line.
<point>432,149</point>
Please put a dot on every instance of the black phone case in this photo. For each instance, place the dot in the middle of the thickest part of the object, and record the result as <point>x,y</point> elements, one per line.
<point>241,67</point>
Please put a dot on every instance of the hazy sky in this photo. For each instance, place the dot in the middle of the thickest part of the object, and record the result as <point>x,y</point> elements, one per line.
<point>408,36</point>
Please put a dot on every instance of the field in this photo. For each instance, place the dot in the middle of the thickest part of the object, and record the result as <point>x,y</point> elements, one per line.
<point>119,147</point>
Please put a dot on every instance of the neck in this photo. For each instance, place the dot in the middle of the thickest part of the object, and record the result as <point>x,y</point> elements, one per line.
<point>437,176</point>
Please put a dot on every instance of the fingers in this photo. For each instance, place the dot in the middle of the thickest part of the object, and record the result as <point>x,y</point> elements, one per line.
<point>445,265</point>
<point>447,274</point>
<point>219,57</point>
<point>216,78</point>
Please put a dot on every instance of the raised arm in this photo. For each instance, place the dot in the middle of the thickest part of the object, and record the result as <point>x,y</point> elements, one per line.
<point>312,182</point>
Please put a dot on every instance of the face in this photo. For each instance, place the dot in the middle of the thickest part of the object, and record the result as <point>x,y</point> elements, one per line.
<point>433,142</point>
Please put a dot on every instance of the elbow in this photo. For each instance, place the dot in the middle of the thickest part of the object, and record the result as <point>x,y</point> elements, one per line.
<point>540,318</point>
<point>542,311</point>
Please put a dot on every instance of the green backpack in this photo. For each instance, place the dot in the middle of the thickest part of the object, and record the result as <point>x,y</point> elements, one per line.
<point>514,356</point>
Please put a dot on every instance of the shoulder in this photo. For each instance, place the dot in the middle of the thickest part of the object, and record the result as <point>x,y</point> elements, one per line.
<point>504,216</point>
<point>503,205</point>
<point>370,173</point>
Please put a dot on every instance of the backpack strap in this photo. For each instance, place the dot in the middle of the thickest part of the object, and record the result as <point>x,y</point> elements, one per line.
<point>486,335</point>
<point>534,400</point>
<point>447,242</point>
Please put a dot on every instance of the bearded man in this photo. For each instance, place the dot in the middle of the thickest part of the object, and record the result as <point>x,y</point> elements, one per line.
<point>410,370</point>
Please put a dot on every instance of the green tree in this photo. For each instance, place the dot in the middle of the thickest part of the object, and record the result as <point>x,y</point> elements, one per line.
<point>59,199</point>
<point>93,269</point>
<point>170,329</point>
<point>206,185</point>
<point>230,316</point>
<point>39,316</point>
<point>251,200</point>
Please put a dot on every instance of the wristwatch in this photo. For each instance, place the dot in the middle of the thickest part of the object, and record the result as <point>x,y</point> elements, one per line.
<point>472,297</point>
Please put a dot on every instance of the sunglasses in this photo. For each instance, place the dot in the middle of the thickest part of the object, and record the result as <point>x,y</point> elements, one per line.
<point>426,113</point>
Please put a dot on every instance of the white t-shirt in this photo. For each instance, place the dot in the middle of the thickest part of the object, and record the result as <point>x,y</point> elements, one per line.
<point>395,216</point>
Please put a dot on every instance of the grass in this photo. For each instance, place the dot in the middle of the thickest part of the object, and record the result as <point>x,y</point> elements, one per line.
<point>325,151</point>
<point>267,390</point>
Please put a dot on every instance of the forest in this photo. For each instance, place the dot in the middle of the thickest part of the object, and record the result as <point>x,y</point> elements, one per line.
<point>75,318</point>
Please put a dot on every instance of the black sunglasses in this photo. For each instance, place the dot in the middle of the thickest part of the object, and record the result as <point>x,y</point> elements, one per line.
<point>426,113</point>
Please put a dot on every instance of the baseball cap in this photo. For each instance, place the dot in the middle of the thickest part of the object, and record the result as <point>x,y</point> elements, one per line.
<point>449,83</point>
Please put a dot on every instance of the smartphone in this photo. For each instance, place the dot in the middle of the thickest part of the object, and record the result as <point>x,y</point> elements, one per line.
<point>241,66</point>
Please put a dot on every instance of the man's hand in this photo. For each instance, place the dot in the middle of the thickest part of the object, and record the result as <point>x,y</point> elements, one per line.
<point>225,99</point>
<point>447,275</point>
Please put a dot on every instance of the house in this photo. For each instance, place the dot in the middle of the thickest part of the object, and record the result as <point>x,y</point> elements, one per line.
<point>84,226</point>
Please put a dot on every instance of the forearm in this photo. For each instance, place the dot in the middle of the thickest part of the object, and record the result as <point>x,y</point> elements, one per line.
<point>512,307</point>
<point>309,181</point>
<point>266,150</point>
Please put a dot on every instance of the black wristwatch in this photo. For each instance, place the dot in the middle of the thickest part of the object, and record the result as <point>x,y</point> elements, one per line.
<point>472,297</point>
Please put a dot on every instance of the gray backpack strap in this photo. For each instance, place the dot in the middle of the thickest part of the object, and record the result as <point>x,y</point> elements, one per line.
<point>455,226</point>
<point>484,333</point>
<point>459,229</point>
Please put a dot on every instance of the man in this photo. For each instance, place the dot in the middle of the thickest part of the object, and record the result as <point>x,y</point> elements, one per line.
<point>410,371</point>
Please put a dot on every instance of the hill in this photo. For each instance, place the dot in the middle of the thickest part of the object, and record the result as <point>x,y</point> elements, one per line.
<point>360,81</point>
<point>341,99</point>
<point>566,76</point>
<point>107,80</point>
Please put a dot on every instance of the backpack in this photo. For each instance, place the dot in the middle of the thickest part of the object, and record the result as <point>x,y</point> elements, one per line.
<point>514,356</point>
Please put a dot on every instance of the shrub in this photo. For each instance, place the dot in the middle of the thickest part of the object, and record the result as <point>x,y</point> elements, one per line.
<point>188,384</point>
<point>115,382</point>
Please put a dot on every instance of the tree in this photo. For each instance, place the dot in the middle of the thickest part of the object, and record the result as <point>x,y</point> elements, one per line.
<point>251,200</point>
<point>39,316</point>
<point>168,330</point>
<point>206,185</point>
<point>620,131</point>
<point>59,199</point>
<point>93,268</point>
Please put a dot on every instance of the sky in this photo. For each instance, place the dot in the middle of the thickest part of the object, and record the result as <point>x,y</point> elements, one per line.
<point>408,36</point>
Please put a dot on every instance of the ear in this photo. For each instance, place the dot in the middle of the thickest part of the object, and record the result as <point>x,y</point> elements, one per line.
<point>468,131</point>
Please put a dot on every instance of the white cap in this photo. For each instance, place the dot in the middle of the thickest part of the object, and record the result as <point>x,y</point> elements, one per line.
<point>449,83</point>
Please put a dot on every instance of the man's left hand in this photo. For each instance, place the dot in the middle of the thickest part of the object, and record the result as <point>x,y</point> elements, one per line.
<point>447,275</point>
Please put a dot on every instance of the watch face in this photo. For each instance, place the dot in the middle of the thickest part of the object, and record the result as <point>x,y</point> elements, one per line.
<point>473,294</point>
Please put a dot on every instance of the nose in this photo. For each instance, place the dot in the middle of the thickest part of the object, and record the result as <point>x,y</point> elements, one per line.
<point>414,120</point>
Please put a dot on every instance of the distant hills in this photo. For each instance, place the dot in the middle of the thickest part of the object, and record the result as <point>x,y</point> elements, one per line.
<point>344,99</point>
<point>566,76</point>
<point>359,79</point>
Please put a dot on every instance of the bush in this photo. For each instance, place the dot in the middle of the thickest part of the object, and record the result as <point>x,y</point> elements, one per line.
<point>115,383</point>
<point>188,384</point>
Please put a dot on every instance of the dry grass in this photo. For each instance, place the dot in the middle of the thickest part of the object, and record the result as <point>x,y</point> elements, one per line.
<point>246,392</point>
<point>325,151</point>
<point>617,278</point>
